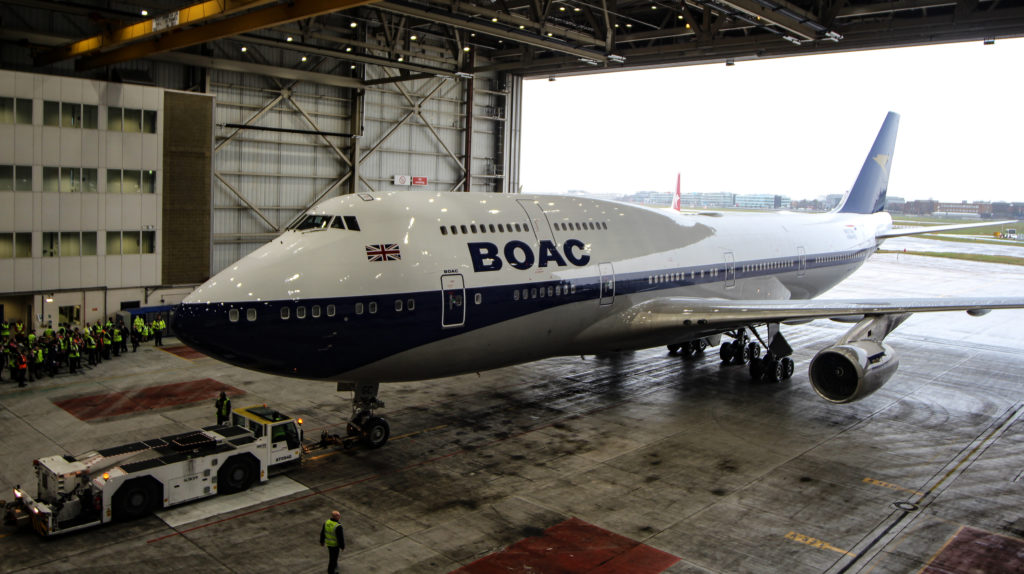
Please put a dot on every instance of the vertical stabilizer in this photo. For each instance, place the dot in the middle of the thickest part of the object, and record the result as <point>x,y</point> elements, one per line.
<point>868,193</point>
<point>677,198</point>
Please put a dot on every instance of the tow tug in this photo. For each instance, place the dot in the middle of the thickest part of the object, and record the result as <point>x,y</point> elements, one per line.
<point>132,480</point>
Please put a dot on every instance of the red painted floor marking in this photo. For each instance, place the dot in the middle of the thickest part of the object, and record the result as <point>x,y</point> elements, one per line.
<point>973,550</point>
<point>574,547</point>
<point>162,396</point>
<point>183,351</point>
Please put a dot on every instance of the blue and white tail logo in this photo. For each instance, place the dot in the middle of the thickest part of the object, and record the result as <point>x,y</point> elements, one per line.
<point>868,193</point>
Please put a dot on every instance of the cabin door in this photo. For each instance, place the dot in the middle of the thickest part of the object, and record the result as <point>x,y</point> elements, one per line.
<point>453,301</point>
<point>607,283</point>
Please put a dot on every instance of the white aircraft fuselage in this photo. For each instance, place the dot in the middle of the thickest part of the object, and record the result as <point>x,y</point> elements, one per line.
<point>401,286</point>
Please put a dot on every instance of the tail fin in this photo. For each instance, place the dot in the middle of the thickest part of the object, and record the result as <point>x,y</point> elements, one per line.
<point>677,199</point>
<point>868,193</point>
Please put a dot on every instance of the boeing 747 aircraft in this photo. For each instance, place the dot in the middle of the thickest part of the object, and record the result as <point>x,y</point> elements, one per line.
<point>401,286</point>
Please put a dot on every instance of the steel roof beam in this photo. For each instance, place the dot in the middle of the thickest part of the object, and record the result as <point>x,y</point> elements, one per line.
<point>790,18</point>
<point>347,56</point>
<point>165,23</point>
<point>247,22</point>
<point>261,69</point>
<point>465,22</point>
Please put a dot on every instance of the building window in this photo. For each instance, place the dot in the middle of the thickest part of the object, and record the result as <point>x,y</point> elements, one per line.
<point>6,178</point>
<point>70,115</point>
<point>90,180</point>
<point>113,180</point>
<point>114,119</point>
<point>70,179</point>
<point>51,244</point>
<point>132,120</point>
<point>131,181</point>
<point>70,244</point>
<point>130,243</point>
<point>51,113</point>
<point>51,179</point>
<point>148,242</point>
<point>149,121</point>
<point>88,243</point>
<point>113,243</point>
<point>15,245</point>
<point>90,116</point>
<point>148,181</point>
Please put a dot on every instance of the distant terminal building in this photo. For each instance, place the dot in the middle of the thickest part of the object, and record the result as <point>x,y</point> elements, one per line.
<point>661,198</point>
<point>963,209</point>
<point>718,199</point>
<point>763,201</point>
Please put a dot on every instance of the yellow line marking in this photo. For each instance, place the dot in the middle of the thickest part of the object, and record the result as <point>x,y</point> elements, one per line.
<point>891,486</point>
<point>814,542</point>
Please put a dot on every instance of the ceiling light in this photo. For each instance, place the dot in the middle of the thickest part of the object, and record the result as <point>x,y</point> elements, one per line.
<point>304,58</point>
<point>687,25</point>
<point>466,49</point>
<point>144,12</point>
<point>550,34</point>
<point>494,19</point>
<point>288,39</point>
<point>352,67</point>
<point>521,27</point>
<point>353,25</point>
<point>561,8</point>
<point>401,58</point>
<point>244,49</point>
<point>348,49</point>
<point>653,7</point>
<point>413,37</point>
<point>577,9</point>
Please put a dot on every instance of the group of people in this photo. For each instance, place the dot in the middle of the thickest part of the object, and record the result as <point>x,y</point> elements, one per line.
<point>27,356</point>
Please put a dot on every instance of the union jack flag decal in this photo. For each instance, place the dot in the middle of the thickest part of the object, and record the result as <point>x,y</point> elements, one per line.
<point>383,252</point>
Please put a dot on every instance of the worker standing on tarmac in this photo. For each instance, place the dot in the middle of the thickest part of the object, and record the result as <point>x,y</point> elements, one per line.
<point>333,536</point>
<point>223,405</point>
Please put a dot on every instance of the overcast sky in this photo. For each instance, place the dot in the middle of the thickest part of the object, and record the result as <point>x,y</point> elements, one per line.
<point>797,126</point>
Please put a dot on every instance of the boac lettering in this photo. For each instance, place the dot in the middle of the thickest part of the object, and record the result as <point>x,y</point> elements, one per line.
<point>520,255</point>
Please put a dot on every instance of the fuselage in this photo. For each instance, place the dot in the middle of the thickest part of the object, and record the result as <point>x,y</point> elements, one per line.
<point>417,285</point>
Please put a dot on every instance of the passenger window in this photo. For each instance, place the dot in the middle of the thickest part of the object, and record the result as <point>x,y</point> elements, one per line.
<point>250,315</point>
<point>300,312</point>
<point>501,228</point>
<point>233,315</point>
<point>551,290</point>
<point>472,227</point>
<point>558,290</point>
<point>478,298</point>
<point>398,305</point>
<point>316,311</point>
<point>515,294</point>
<point>526,227</point>
<point>573,290</point>
<point>410,304</point>
<point>359,308</point>
<point>330,310</point>
<point>351,222</point>
<point>492,228</point>
<point>455,230</point>
<point>372,307</point>
<point>286,312</point>
<point>338,223</point>
<point>533,293</point>
<point>464,229</point>
<point>444,230</point>
<point>518,228</point>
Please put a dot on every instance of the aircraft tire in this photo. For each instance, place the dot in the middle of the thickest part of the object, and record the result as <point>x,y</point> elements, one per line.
<point>376,432</point>
<point>788,366</point>
<point>725,352</point>
<point>753,351</point>
<point>773,371</point>
<point>688,351</point>
<point>673,349</point>
<point>700,345</point>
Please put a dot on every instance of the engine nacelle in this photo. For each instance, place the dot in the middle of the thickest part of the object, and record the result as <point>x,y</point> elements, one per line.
<point>851,371</point>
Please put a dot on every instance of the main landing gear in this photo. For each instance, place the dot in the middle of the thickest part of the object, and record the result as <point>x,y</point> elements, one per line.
<point>373,431</point>
<point>774,366</point>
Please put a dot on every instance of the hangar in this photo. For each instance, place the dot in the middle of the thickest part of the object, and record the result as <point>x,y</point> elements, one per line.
<point>146,146</point>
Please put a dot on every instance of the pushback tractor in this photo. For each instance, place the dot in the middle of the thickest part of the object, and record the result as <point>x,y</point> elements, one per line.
<point>132,480</point>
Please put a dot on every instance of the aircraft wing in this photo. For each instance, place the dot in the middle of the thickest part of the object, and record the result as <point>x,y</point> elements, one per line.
<point>936,228</point>
<point>673,313</point>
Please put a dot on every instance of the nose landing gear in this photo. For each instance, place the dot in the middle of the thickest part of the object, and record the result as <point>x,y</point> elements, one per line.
<point>373,431</point>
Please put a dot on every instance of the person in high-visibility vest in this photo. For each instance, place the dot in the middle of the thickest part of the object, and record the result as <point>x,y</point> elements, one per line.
<point>90,347</point>
<point>74,357</point>
<point>332,535</point>
<point>20,363</point>
<point>223,405</point>
<point>38,359</point>
<point>115,334</point>
<point>158,331</point>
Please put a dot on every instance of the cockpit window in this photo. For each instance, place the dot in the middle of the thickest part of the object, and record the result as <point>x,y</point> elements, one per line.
<point>351,222</point>
<point>338,223</point>
<point>313,222</point>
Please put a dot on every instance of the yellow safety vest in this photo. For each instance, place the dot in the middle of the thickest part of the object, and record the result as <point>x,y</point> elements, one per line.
<point>329,537</point>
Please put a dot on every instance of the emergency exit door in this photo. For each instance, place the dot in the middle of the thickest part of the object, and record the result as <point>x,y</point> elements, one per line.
<point>453,301</point>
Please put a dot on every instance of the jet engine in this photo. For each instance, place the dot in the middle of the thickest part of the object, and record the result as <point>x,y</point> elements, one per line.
<point>847,373</point>
<point>859,363</point>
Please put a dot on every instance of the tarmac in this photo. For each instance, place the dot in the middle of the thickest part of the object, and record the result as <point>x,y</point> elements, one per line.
<point>639,462</point>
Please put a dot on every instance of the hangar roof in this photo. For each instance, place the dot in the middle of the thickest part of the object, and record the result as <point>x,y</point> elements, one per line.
<point>418,38</point>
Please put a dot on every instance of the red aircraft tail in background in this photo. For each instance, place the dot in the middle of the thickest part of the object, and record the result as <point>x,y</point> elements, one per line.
<point>678,196</point>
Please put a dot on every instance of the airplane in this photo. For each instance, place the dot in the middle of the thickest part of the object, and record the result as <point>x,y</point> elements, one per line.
<point>371,288</point>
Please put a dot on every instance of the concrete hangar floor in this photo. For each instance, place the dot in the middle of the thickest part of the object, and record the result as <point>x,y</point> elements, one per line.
<point>635,463</point>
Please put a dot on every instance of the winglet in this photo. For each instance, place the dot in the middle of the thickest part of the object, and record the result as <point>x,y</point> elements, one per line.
<point>868,193</point>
